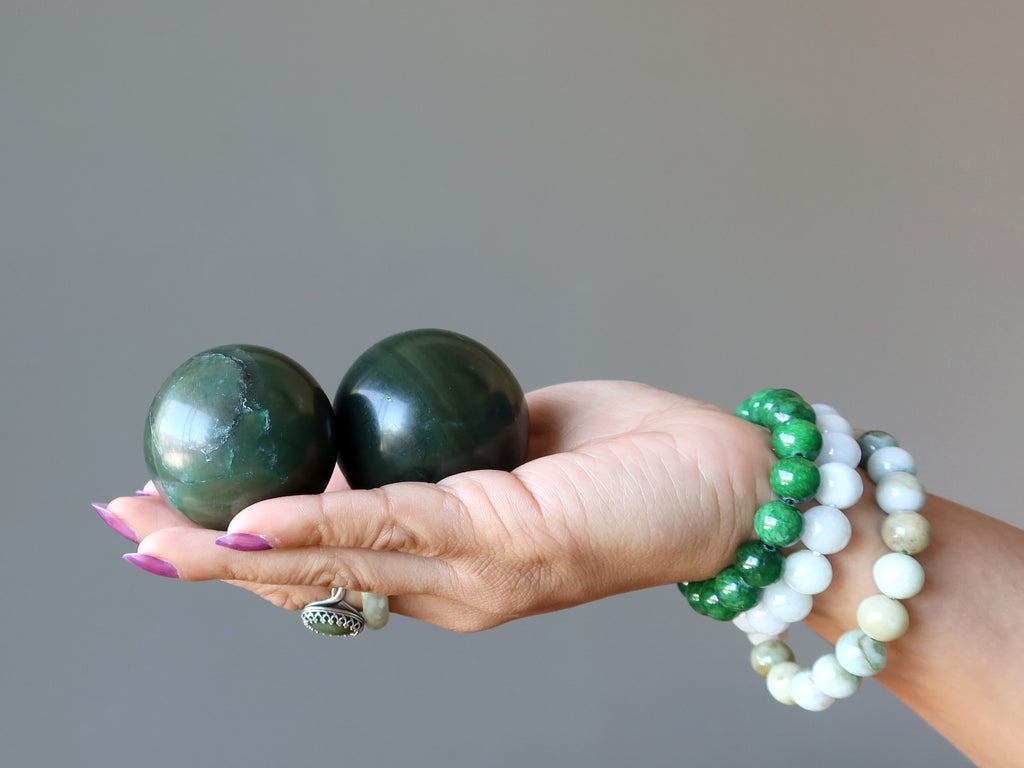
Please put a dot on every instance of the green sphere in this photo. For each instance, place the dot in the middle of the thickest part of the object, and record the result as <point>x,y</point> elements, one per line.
<point>796,437</point>
<point>778,524</point>
<point>426,404</point>
<point>735,592</point>
<point>235,425</point>
<point>795,478</point>
<point>759,564</point>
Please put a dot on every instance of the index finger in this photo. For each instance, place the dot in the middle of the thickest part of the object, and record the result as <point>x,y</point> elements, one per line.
<point>415,518</point>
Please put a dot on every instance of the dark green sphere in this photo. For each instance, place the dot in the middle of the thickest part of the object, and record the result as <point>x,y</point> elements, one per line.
<point>425,404</point>
<point>235,425</point>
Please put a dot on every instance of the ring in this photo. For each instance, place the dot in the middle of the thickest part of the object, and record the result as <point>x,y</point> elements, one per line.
<point>333,616</point>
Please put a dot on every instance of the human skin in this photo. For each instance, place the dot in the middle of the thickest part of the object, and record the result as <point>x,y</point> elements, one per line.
<point>626,487</point>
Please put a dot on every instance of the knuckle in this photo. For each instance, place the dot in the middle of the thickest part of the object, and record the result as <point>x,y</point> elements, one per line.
<point>389,535</point>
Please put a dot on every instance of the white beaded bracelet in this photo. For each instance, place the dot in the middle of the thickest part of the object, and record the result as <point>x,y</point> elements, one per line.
<point>861,652</point>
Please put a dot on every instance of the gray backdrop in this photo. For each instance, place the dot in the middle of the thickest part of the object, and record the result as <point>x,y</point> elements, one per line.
<point>709,197</point>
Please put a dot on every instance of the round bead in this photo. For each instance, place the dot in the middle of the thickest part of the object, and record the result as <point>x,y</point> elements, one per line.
<point>712,603</point>
<point>765,622</point>
<point>859,654</point>
<point>896,575</point>
<point>768,653</point>
<point>838,447</point>
<point>826,530</point>
<point>758,399</point>
<point>765,399</point>
<point>782,409</point>
<point>820,409</point>
<point>743,410</point>
<point>778,524</point>
<point>797,437</point>
<point>758,563</point>
<point>778,678</point>
<point>900,492</point>
<point>882,618</point>
<point>806,694</point>
<point>785,603</point>
<point>889,459</point>
<point>833,422</point>
<point>841,486</point>
<point>832,679</point>
<point>691,591</point>
<point>908,532</point>
<point>734,591</point>
<point>870,442</point>
<point>807,572</point>
<point>376,610</point>
<point>795,478</point>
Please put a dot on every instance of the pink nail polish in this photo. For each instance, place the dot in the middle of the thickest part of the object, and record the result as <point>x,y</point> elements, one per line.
<point>154,565</point>
<point>244,542</point>
<point>115,522</point>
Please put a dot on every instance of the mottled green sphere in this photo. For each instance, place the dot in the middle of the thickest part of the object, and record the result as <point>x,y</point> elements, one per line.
<point>235,425</point>
<point>426,404</point>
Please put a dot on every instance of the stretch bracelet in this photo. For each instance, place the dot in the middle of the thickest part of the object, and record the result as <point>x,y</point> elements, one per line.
<point>817,458</point>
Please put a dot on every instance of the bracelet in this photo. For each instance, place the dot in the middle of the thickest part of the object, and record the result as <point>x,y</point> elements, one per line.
<point>763,591</point>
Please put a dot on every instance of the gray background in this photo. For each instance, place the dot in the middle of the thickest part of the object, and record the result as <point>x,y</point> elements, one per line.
<point>709,197</point>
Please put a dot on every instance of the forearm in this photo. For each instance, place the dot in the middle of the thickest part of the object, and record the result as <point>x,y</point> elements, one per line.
<point>960,666</point>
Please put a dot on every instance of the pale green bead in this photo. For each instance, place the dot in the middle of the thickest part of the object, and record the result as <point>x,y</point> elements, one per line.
<point>767,653</point>
<point>778,678</point>
<point>900,492</point>
<point>375,610</point>
<point>833,679</point>
<point>898,575</point>
<point>806,694</point>
<point>908,532</point>
<point>871,441</point>
<point>861,655</point>
<point>882,618</point>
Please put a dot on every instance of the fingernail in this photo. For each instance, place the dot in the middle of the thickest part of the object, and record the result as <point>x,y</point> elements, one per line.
<point>146,493</point>
<point>153,565</point>
<point>244,542</point>
<point>116,522</point>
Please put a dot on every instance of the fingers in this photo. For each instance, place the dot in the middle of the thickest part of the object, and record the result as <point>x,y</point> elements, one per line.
<point>136,517</point>
<point>192,555</point>
<point>415,518</point>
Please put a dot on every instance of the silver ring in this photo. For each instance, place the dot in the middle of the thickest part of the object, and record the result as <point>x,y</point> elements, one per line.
<point>333,616</point>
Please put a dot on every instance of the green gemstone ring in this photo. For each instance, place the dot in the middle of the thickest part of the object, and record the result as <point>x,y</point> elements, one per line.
<point>333,616</point>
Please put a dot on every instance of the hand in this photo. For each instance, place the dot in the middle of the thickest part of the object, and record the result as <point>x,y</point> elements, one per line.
<point>626,487</point>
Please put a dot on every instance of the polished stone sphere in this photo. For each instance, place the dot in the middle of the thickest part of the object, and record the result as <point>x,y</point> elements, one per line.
<point>425,404</point>
<point>235,425</point>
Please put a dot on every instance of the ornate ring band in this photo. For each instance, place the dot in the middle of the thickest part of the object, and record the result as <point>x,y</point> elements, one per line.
<point>333,617</point>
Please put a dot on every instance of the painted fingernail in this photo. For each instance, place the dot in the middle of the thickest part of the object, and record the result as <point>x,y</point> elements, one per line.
<point>153,565</point>
<point>144,492</point>
<point>116,522</point>
<point>244,542</point>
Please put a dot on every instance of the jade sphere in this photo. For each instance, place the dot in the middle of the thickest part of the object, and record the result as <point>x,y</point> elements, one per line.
<point>235,425</point>
<point>426,404</point>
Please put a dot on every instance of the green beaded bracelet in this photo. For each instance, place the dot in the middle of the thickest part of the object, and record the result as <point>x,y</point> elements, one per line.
<point>794,479</point>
